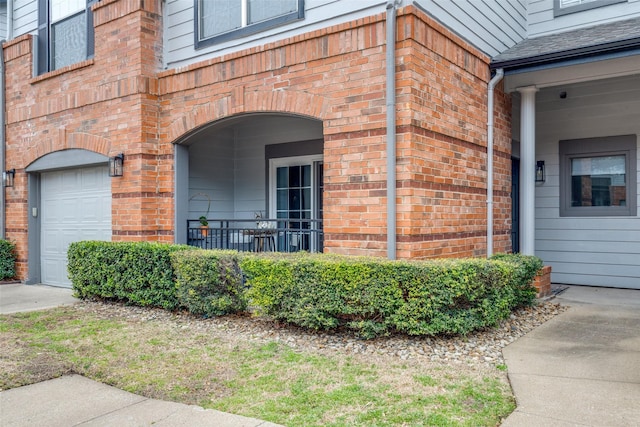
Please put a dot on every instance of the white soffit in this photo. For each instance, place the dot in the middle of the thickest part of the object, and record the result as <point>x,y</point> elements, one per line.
<point>559,74</point>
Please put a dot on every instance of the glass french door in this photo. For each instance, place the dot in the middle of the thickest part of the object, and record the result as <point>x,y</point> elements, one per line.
<point>296,201</point>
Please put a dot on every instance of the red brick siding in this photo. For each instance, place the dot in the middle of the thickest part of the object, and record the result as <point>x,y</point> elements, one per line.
<point>119,102</point>
<point>542,282</point>
<point>442,146</point>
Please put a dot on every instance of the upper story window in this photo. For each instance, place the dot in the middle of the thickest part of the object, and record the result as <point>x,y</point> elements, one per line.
<point>221,20</point>
<point>565,7</point>
<point>65,33</point>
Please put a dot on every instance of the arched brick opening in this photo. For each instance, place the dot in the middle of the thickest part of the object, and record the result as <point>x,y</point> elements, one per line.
<point>67,141</point>
<point>298,103</point>
<point>225,171</point>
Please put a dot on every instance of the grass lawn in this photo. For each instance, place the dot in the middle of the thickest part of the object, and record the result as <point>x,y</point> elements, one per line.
<point>172,360</point>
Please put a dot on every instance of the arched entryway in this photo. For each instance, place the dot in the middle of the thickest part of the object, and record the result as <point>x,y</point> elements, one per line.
<point>256,178</point>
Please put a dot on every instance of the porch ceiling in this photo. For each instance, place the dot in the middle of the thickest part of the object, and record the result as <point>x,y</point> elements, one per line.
<point>232,127</point>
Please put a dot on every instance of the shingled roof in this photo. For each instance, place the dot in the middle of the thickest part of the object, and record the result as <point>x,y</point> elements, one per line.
<point>586,42</point>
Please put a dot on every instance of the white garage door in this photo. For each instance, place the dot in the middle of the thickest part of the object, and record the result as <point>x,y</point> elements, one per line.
<point>75,205</point>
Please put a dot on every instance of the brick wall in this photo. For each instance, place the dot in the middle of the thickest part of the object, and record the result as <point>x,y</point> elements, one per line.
<point>119,102</point>
<point>542,282</point>
<point>442,146</point>
<point>337,75</point>
<point>107,105</point>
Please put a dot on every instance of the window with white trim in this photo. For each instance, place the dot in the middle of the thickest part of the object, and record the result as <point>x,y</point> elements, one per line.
<point>296,186</point>
<point>65,33</point>
<point>598,176</point>
<point>565,7</point>
<point>222,20</point>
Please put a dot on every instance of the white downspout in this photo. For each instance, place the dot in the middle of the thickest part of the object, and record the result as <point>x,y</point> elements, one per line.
<point>9,36</point>
<point>492,84</point>
<point>9,19</point>
<point>3,217</point>
<point>391,128</point>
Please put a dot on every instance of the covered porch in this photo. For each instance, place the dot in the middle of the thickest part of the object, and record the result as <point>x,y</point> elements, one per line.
<point>252,182</point>
<point>575,140</point>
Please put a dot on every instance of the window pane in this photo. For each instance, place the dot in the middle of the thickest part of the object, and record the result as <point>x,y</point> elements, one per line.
<point>306,198</point>
<point>598,181</point>
<point>217,17</point>
<point>567,3</point>
<point>294,199</point>
<point>69,41</point>
<point>319,189</point>
<point>294,176</point>
<point>306,176</point>
<point>283,177</point>
<point>606,165</point>
<point>283,197</point>
<point>261,10</point>
<point>63,8</point>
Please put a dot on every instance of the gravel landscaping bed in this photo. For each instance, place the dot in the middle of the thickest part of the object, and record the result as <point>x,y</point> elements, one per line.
<point>483,347</point>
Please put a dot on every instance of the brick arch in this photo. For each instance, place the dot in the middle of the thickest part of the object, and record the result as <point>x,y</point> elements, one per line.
<point>79,140</point>
<point>293,102</point>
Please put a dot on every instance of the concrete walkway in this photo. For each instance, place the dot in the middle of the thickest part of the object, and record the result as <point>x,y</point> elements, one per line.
<point>581,368</point>
<point>74,400</point>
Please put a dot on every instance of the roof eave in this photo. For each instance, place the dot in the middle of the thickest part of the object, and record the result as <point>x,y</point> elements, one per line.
<point>553,57</point>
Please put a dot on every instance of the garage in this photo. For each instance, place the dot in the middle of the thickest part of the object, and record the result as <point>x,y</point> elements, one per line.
<point>75,205</point>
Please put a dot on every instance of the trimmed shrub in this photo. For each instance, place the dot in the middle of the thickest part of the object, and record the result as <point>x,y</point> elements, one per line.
<point>209,283</point>
<point>526,268</point>
<point>374,297</point>
<point>7,260</point>
<point>138,273</point>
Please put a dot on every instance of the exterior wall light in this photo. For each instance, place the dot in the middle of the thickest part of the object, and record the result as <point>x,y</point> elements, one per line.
<point>116,165</point>
<point>8,177</point>
<point>540,171</point>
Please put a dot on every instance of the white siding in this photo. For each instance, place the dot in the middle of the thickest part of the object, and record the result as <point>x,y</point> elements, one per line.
<point>3,21</point>
<point>179,47</point>
<point>490,25</point>
<point>211,175</point>
<point>603,251</point>
<point>541,21</point>
<point>25,17</point>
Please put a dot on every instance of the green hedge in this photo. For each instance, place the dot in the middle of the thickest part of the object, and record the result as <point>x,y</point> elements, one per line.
<point>137,273</point>
<point>373,297</point>
<point>209,283</point>
<point>370,296</point>
<point>526,268</point>
<point>7,260</point>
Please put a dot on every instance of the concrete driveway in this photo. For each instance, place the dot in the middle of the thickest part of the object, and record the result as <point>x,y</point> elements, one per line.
<point>16,297</point>
<point>581,368</point>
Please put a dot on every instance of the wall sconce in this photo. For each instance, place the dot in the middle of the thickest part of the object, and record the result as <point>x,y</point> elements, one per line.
<point>8,177</point>
<point>115,165</point>
<point>540,171</point>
